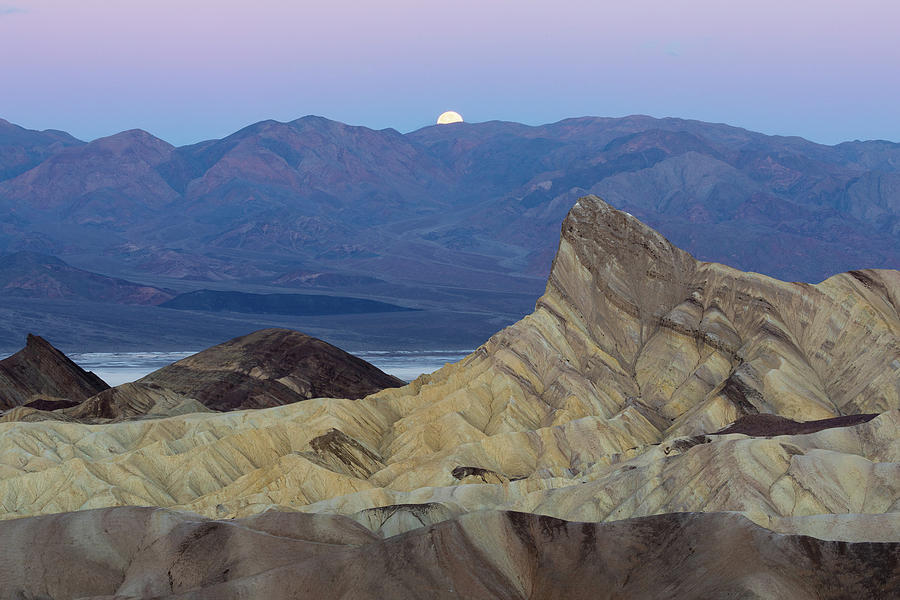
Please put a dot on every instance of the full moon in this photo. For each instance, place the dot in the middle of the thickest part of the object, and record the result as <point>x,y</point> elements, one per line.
<point>451,116</point>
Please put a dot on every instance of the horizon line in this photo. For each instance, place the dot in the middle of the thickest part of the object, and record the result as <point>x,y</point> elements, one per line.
<point>463,123</point>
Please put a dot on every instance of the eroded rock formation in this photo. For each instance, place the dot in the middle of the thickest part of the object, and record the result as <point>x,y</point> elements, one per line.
<point>645,383</point>
<point>271,367</point>
<point>153,553</point>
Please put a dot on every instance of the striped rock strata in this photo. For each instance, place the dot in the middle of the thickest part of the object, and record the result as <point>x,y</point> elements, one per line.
<point>602,405</point>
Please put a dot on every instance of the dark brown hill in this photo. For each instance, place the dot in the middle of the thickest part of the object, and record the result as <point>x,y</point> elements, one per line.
<point>764,424</point>
<point>271,367</point>
<point>39,369</point>
<point>138,552</point>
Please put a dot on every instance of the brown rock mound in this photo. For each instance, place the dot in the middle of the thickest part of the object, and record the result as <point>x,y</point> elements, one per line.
<point>41,369</point>
<point>152,553</point>
<point>268,368</point>
<point>131,401</point>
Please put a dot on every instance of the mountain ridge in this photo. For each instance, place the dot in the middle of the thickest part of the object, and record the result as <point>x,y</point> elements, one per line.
<point>30,274</point>
<point>453,216</point>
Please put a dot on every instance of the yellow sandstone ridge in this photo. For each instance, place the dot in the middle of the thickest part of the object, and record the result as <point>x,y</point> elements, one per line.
<point>599,406</point>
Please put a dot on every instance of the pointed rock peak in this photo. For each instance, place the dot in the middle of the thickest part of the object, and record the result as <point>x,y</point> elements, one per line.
<point>597,222</point>
<point>315,121</point>
<point>132,138</point>
<point>36,341</point>
<point>43,352</point>
<point>39,351</point>
<point>626,258</point>
<point>40,369</point>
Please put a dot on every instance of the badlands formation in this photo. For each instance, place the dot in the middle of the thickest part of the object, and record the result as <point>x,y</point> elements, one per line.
<point>644,433</point>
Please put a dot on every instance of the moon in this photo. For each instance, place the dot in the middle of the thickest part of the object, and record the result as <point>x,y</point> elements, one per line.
<point>451,116</point>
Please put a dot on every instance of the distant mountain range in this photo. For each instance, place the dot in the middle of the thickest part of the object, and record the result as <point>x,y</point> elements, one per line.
<point>461,217</point>
<point>277,304</point>
<point>33,275</point>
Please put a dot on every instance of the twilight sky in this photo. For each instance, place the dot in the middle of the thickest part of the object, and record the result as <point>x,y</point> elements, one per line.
<point>188,70</point>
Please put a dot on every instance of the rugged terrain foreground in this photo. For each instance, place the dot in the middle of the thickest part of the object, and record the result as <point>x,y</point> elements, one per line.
<point>610,444</point>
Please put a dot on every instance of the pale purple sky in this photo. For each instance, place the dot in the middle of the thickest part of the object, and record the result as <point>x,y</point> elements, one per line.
<point>191,70</point>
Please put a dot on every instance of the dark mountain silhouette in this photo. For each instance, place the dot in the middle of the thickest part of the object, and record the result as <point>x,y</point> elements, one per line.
<point>446,217</point>
<point>38,370</point>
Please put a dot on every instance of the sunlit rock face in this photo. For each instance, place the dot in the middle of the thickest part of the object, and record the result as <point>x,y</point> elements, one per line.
<point>612,400</point>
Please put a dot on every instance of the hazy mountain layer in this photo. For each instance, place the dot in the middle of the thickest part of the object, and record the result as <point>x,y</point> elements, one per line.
<point>459,217</point>
<point>33,275</point>
<point>284,304</point>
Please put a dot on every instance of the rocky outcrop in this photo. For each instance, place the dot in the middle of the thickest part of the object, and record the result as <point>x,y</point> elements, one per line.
<point>124,402</point>
<point>771,425</point>
<point>599,406</point>
<point>646,384</point>
<point>40,370</point>
<point>271,367</point>
<point>133,400</point>
<point>152,553</point>
<point>632,330</point>
<point>266,368</point>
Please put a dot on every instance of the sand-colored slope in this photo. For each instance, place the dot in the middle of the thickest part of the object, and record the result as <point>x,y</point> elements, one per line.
<point>596,407</point>
<point>121,403</point>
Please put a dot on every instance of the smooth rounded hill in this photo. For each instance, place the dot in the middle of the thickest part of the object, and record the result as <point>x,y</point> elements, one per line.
<point>271,367</point>
<point>39,369</point>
